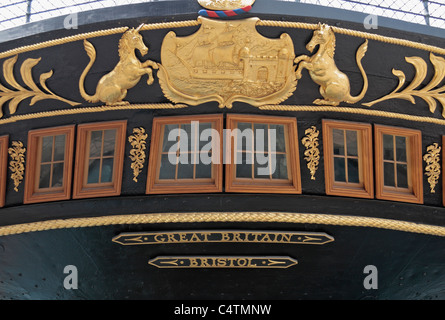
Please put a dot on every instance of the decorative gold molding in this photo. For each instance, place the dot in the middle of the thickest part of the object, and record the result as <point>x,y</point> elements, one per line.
<point>137,153</point>
<point>225,217</point>
<point>312,153</point>
<point>16,165</point>
<point>225,4</point>
<point>432,169</point>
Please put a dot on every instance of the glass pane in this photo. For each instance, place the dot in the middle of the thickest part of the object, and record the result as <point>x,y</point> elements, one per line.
<point>45,171</point>
<point>351,141</point>
<point>388,174</point>
<point>188,136</point>
<point>202,127</point>
<point>57,180</point>
<point>402,176</point>
<point>93,171</point>
<point>167,170</point>
<point>109,142</point>
<point>107,170</point>
<point>59,148</point>
<point>244,139</point>
<point>47,149</point>
<point>261,135</point>
<point>280,167</point>
<point>166,145</point>
<point>401,149</point>
<point>260,171</point>
<point>244,166</point>
<point>388,147</point>
<point>185,171</point>
<point>280,143</point>
<point>96,144</point>
<point>353,171</point>
<point>339,169</point>
<point>203,171</point>
<point>339,142</point>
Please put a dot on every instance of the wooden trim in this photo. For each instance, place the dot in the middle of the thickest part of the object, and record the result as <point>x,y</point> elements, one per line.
<point>155,186</point>
<point>414,193</point>
<point>4,140</point>
<point>365,189</point>
<point>80,188</point>
<point>243,185</point>
<point>32,193</point>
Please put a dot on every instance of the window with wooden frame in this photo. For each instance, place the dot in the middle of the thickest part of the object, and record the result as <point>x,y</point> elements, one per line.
<point>185,155</point>
<point>49,164</point>
<point>262,154</point>
<point>4,140</point>
<point>348,159</point>
<point>398,158</point>
<point>99,159</point>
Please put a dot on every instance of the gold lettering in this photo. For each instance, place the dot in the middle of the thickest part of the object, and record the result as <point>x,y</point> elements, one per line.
<point>286,237</point>
<point>195,238</point>
<point>266,238</point>
<point>222,262</point>
<point>182,237</point>
<point>204,262</point>
<point>160,238</point>
<point>193,262</point>
<point>242,262</point>
<point>250,263</point>
<point>205,236</point>
<point>225,236</point>
<point>171,238</point>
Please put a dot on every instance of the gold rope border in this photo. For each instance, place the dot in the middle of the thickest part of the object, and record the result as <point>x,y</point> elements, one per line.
<point>207,217</point>
<point>192,23</point>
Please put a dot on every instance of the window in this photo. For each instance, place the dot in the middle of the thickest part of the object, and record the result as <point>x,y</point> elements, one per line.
<point>262,154</point>
<point>49,164</point>
<point>4,140</point>
<point>398,159</point>
<point>185,155</point>
<point>99,159</point>
<point>348,159</point>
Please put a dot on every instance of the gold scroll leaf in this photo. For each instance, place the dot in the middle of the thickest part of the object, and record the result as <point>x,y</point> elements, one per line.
<point>430,94</point>
<point>432,169</point>
<point>20,93</point>
<point>312,153</point>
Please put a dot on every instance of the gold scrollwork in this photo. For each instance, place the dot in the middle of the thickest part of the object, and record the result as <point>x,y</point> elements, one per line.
<point>16,96</point>
<point>432,170</point>
<point>225,4</point>
<point>137,153</point>
<point>16,165</point>
<point>312,153</point>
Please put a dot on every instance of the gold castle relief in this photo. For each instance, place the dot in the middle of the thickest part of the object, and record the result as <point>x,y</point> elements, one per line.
<point>227,61</point>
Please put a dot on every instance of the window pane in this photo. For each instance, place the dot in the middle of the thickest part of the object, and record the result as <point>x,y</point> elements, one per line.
<point>202,127</point>
<point>96,144</point>
<point>402,176</point>
<point>107,170</point>
<point>339,142</point>
<point>401,149</point>
<point>185,171</point>
<point>339,169</point>
<point>187,130</point>
<point>351,141</point>
<point>59,148</point>
<point>388,174</point>
<point>245,137</point>
<point>280,167</point>
<point>166,145</point>
<point>47,149</point>
<point>93,171</point>
<point>57,179</point>
<point>261,137</point>
<point>388,147</point>
<point>353,172</point>
<point>167,170</point>
<point>260,171</point>
<point>45,172</point>
<point>203,171</point>
<point>109,142</point>
<point>280,144</point>
<point>244,166</point>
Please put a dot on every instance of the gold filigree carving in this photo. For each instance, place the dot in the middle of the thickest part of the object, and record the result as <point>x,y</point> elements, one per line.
<point>112,87</point>
<point>429,93</point>
<point>16,96</point>
<point>432,169</point>
<point>16,165</point>
<point>225,4</point>
<point>312,153</point>
<point>227,61</point>
<point>137,153</point>
<point>334,84</point>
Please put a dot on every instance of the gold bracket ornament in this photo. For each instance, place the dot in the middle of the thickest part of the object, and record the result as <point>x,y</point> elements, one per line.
<point>429,93</point>
<point>16,165</point>
<point>16,96</point>
<point>312,153</point>
<point>225,4</point>
<point>137,153</point>
<point>432,170</point>
<point>112,87</point>
<point>334,84</point>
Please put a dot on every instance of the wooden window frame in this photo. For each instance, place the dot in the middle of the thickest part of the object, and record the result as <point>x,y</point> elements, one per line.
<point>240,185</point>
<point>364,189</point>
<point>414,167</point>
<point>155,186</point>
<point>4,141</point>
<point>80,188</point>
<point>32,193</point>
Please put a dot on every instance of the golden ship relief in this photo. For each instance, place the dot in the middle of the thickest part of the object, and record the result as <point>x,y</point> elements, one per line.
<point>227,61</point>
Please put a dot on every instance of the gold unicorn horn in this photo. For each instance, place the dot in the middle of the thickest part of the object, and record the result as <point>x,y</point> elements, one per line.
<point>140,27</point>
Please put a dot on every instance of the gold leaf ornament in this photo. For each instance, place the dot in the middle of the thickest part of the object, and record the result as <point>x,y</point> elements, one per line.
<point>16,165</point>
<point>432,169</point>
<point>137,153</point>
<point>431,94</point>
<point>312,153</point>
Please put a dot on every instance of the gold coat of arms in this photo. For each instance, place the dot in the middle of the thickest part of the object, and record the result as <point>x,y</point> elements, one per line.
<point>227,61</point>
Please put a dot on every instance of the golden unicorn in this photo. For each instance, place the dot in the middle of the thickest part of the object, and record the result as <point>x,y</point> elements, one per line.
<point>334,84</point>
<point>112,87</point>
